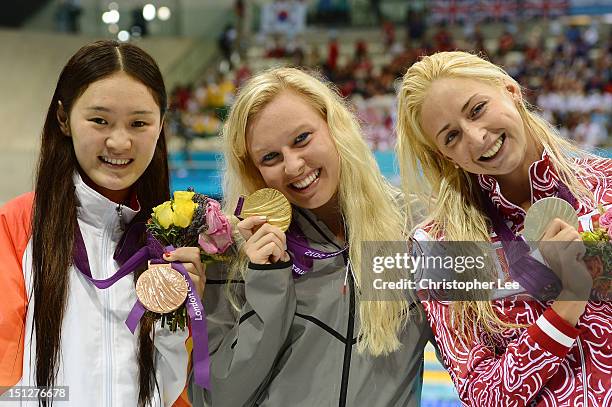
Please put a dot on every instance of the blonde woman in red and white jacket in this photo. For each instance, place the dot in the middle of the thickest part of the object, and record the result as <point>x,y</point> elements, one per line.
<point>486,159</point>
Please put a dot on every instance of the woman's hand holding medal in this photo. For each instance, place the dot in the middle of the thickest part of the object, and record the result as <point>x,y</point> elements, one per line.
<point>190,257</point>
<point>562,248</point>
<point>553,222</point>
<point>265,217</point>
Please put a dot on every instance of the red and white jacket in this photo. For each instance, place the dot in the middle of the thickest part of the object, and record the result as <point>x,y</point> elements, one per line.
<point>549,363</point>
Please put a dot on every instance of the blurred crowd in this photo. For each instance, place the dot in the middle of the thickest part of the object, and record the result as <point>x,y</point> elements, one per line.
<point>198,110</point>
<point>566,72</point>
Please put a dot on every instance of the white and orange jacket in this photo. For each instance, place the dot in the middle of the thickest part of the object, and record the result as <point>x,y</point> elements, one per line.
<point>98,361</point>
<point>550,362</point>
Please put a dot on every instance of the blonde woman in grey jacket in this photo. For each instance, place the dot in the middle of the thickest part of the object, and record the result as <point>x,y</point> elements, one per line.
<point>305,334</point>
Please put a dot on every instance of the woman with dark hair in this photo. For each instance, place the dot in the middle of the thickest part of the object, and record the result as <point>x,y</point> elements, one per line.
<point>102,168</point>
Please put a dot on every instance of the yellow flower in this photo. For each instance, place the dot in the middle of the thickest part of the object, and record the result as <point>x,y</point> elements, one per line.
<point>164,215</point>
<point>183,212</point>
<point>183,195</point>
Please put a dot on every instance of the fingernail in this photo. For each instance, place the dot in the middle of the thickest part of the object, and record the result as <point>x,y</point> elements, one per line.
<point>262,217</point>
<point>166,254</point>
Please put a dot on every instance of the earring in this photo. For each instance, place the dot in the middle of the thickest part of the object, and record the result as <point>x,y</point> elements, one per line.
<point>456,166</point>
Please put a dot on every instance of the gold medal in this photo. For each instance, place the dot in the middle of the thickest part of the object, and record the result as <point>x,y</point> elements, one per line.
<point>161,289</point>
<point>270,203</point>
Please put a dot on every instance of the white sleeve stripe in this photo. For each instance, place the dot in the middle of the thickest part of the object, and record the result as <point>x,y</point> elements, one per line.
<point>554,333</point>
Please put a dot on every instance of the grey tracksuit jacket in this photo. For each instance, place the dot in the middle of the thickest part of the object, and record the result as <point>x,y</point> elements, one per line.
<point>294,341</point>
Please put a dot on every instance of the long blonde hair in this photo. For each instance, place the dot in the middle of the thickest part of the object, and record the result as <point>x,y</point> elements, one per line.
<point>455,209</point>
<point>366,199</point>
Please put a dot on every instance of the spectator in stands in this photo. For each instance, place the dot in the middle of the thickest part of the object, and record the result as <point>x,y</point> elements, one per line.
<point>140,26</point>
<point>588,133</point>
<point>478,41</point>
<point>227,41</point>
<point>361,49</point>
<point>242,74</point>
<point>443,39</point>
<point>416,26</point>
<point>276,47</point>
<point>333,51</point>
<point>506,43</point>
<point>388,30</point>
<point>376,11</point>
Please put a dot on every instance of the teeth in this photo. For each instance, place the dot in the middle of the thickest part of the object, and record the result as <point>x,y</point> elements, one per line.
<point>115,161</point>
<point>494,149</point>
<point>307,181</point>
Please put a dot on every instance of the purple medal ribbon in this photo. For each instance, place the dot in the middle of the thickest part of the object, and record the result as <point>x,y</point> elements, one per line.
<point>239,206</point>
<point>536,278</point>
<point>302,254</point>
<point>130,256</point>
<point>197,316</point>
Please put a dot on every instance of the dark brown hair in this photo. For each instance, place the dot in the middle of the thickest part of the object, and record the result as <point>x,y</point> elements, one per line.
<point>55,204</point>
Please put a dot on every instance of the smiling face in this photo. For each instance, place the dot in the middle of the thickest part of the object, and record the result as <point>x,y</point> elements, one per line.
<point>476,125</point>
<point>290,145</point>
<point>114,127</point>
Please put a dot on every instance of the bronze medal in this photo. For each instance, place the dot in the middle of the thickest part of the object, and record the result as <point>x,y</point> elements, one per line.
<point>270,203</point>
<point>161,289</point>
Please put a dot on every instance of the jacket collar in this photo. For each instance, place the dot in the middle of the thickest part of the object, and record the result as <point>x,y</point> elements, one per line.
<point>95,209</point>
<point>315,230</point>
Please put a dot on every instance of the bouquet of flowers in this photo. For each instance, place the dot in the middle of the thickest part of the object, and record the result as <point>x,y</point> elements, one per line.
<point>188,220</point>
<point>191,219</point>
<point>598,257</point>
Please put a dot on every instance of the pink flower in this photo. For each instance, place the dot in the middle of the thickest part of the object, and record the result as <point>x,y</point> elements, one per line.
<point>218,236</point>
<point>606,219</point>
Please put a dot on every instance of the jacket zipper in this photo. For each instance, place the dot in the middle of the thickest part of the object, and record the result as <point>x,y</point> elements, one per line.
<point>585,385</point>
<point>107,237</point>
<point>107,319</point>
<point>348,346</point>
<point>119,211</point>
